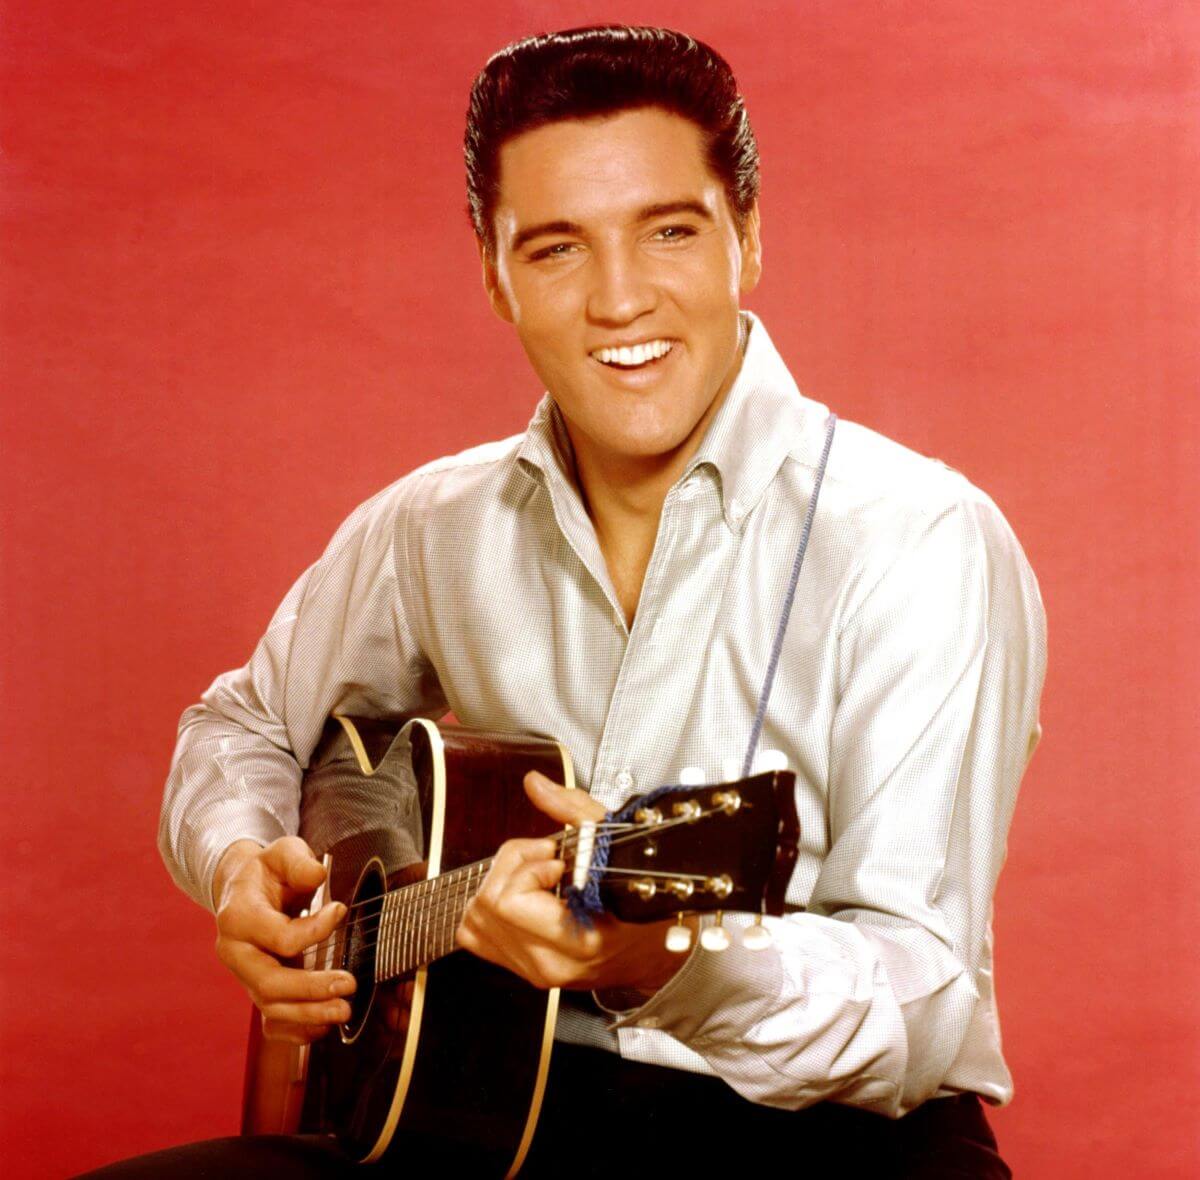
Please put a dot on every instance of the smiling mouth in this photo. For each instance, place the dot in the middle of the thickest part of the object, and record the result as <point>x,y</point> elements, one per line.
<point>636,356</point>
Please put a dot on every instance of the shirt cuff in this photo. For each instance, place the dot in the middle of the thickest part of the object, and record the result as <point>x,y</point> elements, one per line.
<point>714,995</point>
<point>246,823</point>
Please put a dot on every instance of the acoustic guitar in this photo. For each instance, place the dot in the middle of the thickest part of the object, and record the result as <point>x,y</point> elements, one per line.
<point>446,1056</point>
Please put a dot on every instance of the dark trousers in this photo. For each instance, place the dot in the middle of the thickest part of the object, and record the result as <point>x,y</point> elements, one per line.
<point>604,1117</point>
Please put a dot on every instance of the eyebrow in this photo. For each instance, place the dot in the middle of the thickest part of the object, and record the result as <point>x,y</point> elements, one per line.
<point>648,213</point>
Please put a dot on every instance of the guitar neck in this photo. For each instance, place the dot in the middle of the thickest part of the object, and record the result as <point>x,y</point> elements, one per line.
<point>417,922</point>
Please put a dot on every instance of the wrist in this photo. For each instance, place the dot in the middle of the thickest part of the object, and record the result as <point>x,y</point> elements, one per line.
<point>661,964</point>
<point>656,966</point>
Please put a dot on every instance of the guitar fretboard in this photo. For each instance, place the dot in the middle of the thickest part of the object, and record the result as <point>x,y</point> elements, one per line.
<point>417,922</point>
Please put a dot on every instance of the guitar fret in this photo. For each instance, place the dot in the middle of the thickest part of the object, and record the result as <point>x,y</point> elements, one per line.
<point>423,893</point>
<point>385,920</point>
<point>381,960</point>
<point>397,942</point>
<point>449,914</point>
<point>435,920</point>
<point>416,904</point>
<point>397,939</point>
<point>397,932</point>
<point>424,896</point>
<point>427,899</point>
<point>445,912</point>
<point>436,902</point>
<point>381,953</point>
<point>406,962</point>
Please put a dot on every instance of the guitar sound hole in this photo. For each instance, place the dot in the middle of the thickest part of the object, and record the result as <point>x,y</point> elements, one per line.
<point>361,942</point>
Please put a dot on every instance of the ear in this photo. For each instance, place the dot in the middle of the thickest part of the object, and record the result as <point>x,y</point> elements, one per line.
<point>751,246</point>
<point>491,284</point>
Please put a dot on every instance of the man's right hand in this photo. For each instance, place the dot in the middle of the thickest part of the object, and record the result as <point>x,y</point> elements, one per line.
<point>252,888</point>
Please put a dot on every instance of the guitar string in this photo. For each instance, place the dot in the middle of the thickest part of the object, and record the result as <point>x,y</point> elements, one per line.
<point>406,937</point>
<point>418,935</point>
<point>445,892</point>
<point>448,888</point>
<point>566,839</point>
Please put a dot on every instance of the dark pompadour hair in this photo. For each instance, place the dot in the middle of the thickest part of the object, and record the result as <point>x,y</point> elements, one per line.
<point>600,70</point>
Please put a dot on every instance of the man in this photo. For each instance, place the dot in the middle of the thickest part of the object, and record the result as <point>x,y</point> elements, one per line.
<point>616,577</point>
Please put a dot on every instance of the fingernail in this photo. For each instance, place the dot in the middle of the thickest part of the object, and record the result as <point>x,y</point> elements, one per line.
<point>341,987</point>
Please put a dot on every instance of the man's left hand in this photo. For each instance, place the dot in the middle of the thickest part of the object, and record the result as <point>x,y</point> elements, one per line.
<point>517,921</point>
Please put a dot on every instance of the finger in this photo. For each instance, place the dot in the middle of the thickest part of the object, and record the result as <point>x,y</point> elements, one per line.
<point>514,920</point>
<point>515,852</point>
<point>254,920</point>
<point>301,933</point>
<point>568,807</point>
<point>268,981</point>
<point>544,963</point>
<point>330,1012</point>
<point>536,876</point>
<point>509,857</point>
<point>293,862</point>
<point>296,1034</point>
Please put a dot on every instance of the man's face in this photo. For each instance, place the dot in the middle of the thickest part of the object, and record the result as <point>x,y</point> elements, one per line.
<point>612,233</point>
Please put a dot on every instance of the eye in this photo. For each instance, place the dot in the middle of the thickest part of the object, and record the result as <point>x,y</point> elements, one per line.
<point>674,233</point>
<point>558,250</point>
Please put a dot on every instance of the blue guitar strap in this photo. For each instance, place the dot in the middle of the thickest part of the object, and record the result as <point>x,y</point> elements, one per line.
<point>781,630</point>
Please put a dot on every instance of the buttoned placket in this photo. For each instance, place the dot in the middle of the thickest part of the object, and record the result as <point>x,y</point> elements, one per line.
<point>616,775</point>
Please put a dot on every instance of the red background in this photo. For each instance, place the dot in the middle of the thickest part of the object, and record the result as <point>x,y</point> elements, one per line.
<point>240,295</point>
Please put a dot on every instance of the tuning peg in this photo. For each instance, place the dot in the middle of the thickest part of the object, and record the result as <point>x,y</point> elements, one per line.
<point>769,760</point>
<point>679,937</point>
<point>715,937</point>
<point>756,937</point>
<point>692,776</point>
<point>728,801</point>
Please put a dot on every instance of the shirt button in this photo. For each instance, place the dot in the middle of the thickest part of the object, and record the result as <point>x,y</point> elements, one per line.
<point>624,779</point>
<point>736,509</point>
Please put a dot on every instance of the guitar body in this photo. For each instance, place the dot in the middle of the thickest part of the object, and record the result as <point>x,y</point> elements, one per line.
<point>445,1057</point>
<point>407,1076</point>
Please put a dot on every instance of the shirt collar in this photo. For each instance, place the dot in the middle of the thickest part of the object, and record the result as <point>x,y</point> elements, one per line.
<point>763,419</point>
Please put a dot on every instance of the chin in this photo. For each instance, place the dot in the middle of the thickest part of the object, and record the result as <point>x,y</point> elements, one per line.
<point>650,445</point>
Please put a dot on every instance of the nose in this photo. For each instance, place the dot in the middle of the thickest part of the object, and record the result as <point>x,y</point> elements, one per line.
<point>621,290</point>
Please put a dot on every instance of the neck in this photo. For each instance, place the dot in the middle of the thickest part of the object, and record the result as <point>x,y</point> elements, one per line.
<point>416,923</point>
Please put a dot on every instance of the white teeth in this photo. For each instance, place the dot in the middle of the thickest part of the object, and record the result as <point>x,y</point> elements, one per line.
<point>639,354</point>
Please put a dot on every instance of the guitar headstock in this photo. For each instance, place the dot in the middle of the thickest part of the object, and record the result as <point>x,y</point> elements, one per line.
<point>722,846</point>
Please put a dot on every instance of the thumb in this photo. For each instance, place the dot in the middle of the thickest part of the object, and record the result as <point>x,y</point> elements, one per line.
<point>567,807</point>
<point>293,862</point>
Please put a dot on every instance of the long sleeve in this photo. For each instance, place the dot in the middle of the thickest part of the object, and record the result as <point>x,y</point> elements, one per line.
<point>339,640</point>
<point>875,995</point>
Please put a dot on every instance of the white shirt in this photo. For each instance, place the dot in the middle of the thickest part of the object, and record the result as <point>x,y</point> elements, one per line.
<point>906,700</point>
